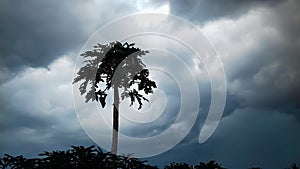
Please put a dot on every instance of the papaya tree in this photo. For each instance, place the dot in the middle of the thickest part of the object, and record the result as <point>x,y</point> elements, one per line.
<point>117,67</point>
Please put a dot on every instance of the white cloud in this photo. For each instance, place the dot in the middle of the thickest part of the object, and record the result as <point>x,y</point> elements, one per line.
<point>144,7</point>
<point>43,98</point>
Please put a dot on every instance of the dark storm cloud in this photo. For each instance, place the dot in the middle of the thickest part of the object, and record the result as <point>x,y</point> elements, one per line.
<point>262,69</point>
<point>257,138</point>
<point>34,33</point>
<point>22,132</point>
<point>274,84</point>
<point>265,76</point>
<point>200,11</point>
<point>270,78</point>
<point>262,82</point>
<point>260,52</point>
<point>33,141</point>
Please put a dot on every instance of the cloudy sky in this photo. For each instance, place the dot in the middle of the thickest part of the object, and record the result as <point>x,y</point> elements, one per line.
<point>258,42</point>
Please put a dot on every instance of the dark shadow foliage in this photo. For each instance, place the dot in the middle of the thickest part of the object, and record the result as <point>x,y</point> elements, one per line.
<point>210,165</point>
<point>78,157</point>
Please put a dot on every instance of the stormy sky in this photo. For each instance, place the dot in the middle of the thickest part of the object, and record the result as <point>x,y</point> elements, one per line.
<point>258,42</point>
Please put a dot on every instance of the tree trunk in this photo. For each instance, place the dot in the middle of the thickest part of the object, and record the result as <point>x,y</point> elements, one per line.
<point>114,146</point>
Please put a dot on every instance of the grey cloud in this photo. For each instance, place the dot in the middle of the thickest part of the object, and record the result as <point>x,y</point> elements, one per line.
<point>260,54</point>
<point>271,80</point>
<point>200,11</point>
<point>263,78</point>
<point>33,141</point>
<point>32,118</point>
<point>286,18</point>
<point>34,33</point>
<point>247,138</point>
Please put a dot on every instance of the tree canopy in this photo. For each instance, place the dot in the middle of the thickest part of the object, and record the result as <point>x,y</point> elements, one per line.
<point>115,64</point>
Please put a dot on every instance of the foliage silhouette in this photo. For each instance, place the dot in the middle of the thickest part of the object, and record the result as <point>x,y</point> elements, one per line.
<point>115,65</point>
<point>76,158</point>
<point>210,165</point>
<point>79,157</point>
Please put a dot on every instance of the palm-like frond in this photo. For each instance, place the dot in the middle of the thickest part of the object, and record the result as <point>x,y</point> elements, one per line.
<point>115,65</point>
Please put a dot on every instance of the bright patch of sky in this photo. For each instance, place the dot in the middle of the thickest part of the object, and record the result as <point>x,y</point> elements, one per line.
<point>143,7</point>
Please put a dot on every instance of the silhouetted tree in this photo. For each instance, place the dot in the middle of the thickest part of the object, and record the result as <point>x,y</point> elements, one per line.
<point>115,66</point>
<point>255,168</point>
<point>210,165</point>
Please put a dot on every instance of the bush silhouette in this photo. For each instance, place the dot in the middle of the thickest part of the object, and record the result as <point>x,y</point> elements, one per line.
<point>76,158</point>
<point>79,157</point>
<point>210,165</point>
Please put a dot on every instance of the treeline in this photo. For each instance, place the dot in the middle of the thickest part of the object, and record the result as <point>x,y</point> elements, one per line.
<point>79,157</point>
